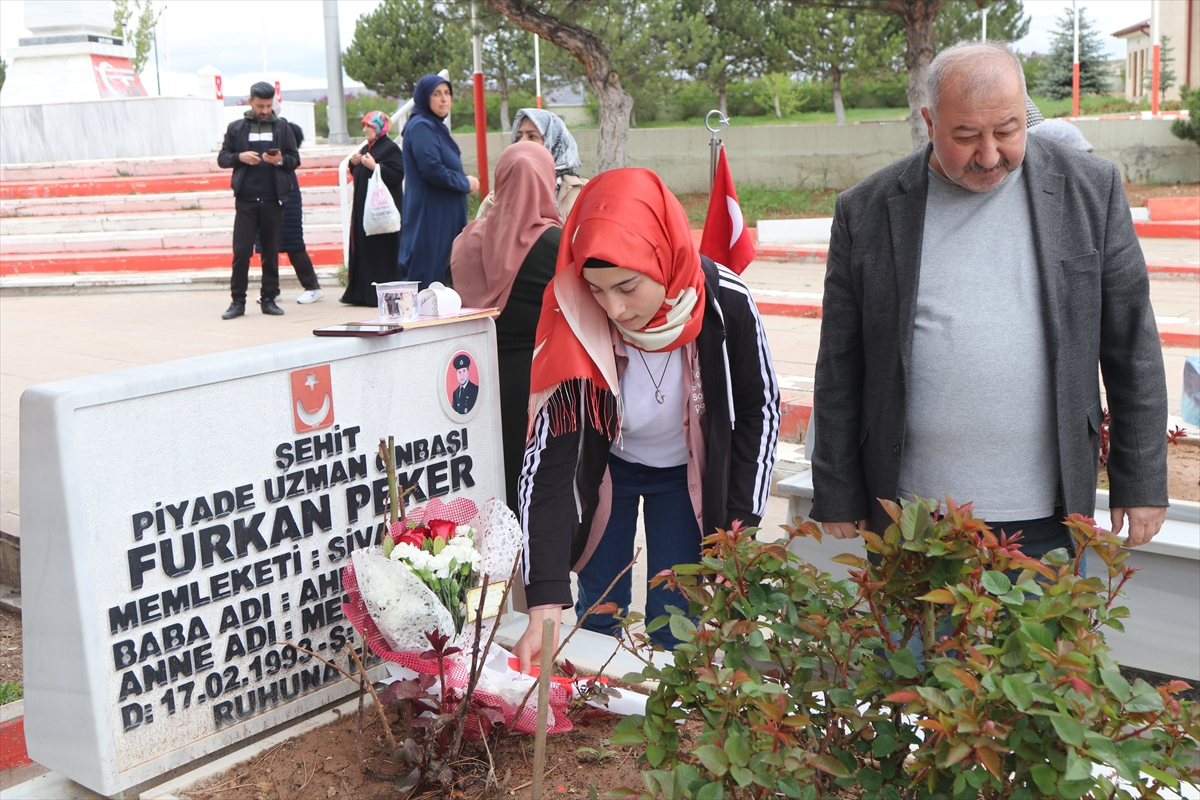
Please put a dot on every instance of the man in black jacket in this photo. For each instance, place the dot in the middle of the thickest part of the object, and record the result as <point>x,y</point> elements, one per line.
<point>262,152</point>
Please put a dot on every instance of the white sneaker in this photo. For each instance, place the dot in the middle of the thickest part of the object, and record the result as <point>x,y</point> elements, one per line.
<point>311,296</point>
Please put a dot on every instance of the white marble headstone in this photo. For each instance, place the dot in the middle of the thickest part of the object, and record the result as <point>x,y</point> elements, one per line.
<point>183,522</point>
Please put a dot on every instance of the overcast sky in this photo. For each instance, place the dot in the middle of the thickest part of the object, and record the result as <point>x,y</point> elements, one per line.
<point>227,34</point>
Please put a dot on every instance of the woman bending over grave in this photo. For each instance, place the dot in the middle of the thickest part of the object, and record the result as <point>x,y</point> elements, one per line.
<point>505,260</point>
<point>651,381</point>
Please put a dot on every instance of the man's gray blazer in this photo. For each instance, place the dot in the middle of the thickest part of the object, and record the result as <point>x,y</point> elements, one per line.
<point>1096,293</point>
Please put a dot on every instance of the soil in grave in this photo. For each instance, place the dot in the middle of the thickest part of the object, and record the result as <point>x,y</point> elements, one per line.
<point>324,764</point>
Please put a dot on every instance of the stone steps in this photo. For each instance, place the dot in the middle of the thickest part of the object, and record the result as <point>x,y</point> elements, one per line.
<point>166,238</point>
<point>28,230</point>
<point>142,204</point>
<point>154,184</point>
<point>148,260</point>
<point>310,157</point>
<point>145,215</point>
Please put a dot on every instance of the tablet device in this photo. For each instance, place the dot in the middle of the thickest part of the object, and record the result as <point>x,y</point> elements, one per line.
<point>357,330</point>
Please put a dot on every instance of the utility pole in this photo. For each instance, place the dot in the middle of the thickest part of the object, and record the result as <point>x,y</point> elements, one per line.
<point>480,108</point>
<point>336,102</point>
<point>537,68</point>
<point>1155,37</point>
<point>1075,65</point>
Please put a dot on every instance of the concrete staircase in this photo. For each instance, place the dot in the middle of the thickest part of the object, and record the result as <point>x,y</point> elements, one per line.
<point>145,215</point>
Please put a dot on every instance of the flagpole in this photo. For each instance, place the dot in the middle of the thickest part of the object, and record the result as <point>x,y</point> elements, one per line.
<point>714,143</point>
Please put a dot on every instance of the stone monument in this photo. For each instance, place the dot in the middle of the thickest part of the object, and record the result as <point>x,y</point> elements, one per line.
<point>73,74</point>
<point>184,526</point>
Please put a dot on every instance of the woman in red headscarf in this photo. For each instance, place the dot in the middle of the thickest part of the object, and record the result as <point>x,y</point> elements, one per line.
<point>505,260</point>
<point>651,383</point>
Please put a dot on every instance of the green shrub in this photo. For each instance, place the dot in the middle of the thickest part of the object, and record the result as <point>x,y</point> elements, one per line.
<point>1189,129</point>
<point>801,693</point>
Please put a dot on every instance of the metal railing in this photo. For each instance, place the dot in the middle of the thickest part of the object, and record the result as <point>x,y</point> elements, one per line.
<point>346,199</point>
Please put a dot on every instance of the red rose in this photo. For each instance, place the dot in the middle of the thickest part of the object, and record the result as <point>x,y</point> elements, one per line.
<point>413,536</point>
<point>442,529</point>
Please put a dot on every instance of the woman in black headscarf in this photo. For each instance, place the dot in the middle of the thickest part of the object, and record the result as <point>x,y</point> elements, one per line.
<point>373,258</point>
<point>435,203</point>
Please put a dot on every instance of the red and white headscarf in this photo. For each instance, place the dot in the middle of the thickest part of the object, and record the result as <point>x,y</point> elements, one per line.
<point>629,218</point>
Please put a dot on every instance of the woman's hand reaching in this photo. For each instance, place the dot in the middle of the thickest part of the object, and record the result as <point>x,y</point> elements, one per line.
<point>528,649</point>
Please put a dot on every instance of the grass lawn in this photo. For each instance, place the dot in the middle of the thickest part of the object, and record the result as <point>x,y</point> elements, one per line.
<point>767,202</point>
<point>807,118</point>
<point>1091,105</point>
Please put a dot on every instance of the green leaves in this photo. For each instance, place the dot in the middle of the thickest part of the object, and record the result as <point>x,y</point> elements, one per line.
<point>802,681</point>
<point>904,663</point>
<point>1017,692</point>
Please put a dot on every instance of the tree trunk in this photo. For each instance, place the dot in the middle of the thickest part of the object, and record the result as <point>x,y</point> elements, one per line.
<point>778,113</point>
<point>839,108</point>
<point>721,101</point>
<point>505,124</point>
<point>615,102</point>
<point>918,18</point>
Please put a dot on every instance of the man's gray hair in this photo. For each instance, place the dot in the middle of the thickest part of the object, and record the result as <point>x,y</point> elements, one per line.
<point>982,65</point>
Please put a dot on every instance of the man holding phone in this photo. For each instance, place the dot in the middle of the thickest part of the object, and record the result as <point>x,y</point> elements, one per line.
<point>261,150</point>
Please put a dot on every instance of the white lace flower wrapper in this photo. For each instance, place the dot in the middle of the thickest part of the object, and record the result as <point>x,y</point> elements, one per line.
<point>403,607</point>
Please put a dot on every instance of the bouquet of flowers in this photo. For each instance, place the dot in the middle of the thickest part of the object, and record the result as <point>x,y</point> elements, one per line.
<point>420,579</point>
<point>443,556</point>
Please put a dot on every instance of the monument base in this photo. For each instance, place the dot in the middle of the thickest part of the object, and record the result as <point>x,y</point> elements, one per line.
<point>118,128</point>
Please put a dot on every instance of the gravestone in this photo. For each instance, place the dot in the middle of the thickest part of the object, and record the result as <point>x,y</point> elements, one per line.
<point>184,526</point>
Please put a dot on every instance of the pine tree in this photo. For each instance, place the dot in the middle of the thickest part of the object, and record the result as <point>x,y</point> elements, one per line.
<point>1166,75</point>
<point>1055,82</point>
<point>400,41</point>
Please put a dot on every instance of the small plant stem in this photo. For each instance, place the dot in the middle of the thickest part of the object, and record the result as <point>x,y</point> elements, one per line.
<point>543,709</point>
<point>388,453</point>
<point>928,633</point>
<point>387,729</point>
<point>464,705</point>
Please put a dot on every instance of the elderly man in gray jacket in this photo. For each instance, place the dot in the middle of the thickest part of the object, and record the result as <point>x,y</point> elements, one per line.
<point>975,292</point>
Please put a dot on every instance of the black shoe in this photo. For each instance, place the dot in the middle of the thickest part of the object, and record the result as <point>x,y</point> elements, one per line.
<point>269,306</point>
<point>235,309</point>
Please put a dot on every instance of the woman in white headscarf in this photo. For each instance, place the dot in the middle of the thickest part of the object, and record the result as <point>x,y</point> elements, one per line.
<point>547,129</point>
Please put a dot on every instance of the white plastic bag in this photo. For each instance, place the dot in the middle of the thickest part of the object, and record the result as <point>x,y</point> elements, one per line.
<point>380,214</point>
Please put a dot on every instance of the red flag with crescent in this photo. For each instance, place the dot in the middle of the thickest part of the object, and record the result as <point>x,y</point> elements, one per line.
<point>726,238</point>
<point>312,398</point>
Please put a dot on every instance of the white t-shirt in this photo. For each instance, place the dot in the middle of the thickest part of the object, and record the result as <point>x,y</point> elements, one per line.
<point>652,432</point>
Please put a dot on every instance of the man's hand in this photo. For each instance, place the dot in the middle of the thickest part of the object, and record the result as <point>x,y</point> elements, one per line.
<point>368,161</point>
<point>249,157</point>
<point>528,649</point>
<point>273,159</point>
<point>471,179</point>
<point>1144,523</point>
<point>844,530</point>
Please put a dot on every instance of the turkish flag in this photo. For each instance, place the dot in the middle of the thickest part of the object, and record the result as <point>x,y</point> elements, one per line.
<point>312,398</point>
<point>726,239</point>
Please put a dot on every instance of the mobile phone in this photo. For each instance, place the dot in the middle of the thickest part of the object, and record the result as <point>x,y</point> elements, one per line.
<point>273,151</point>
